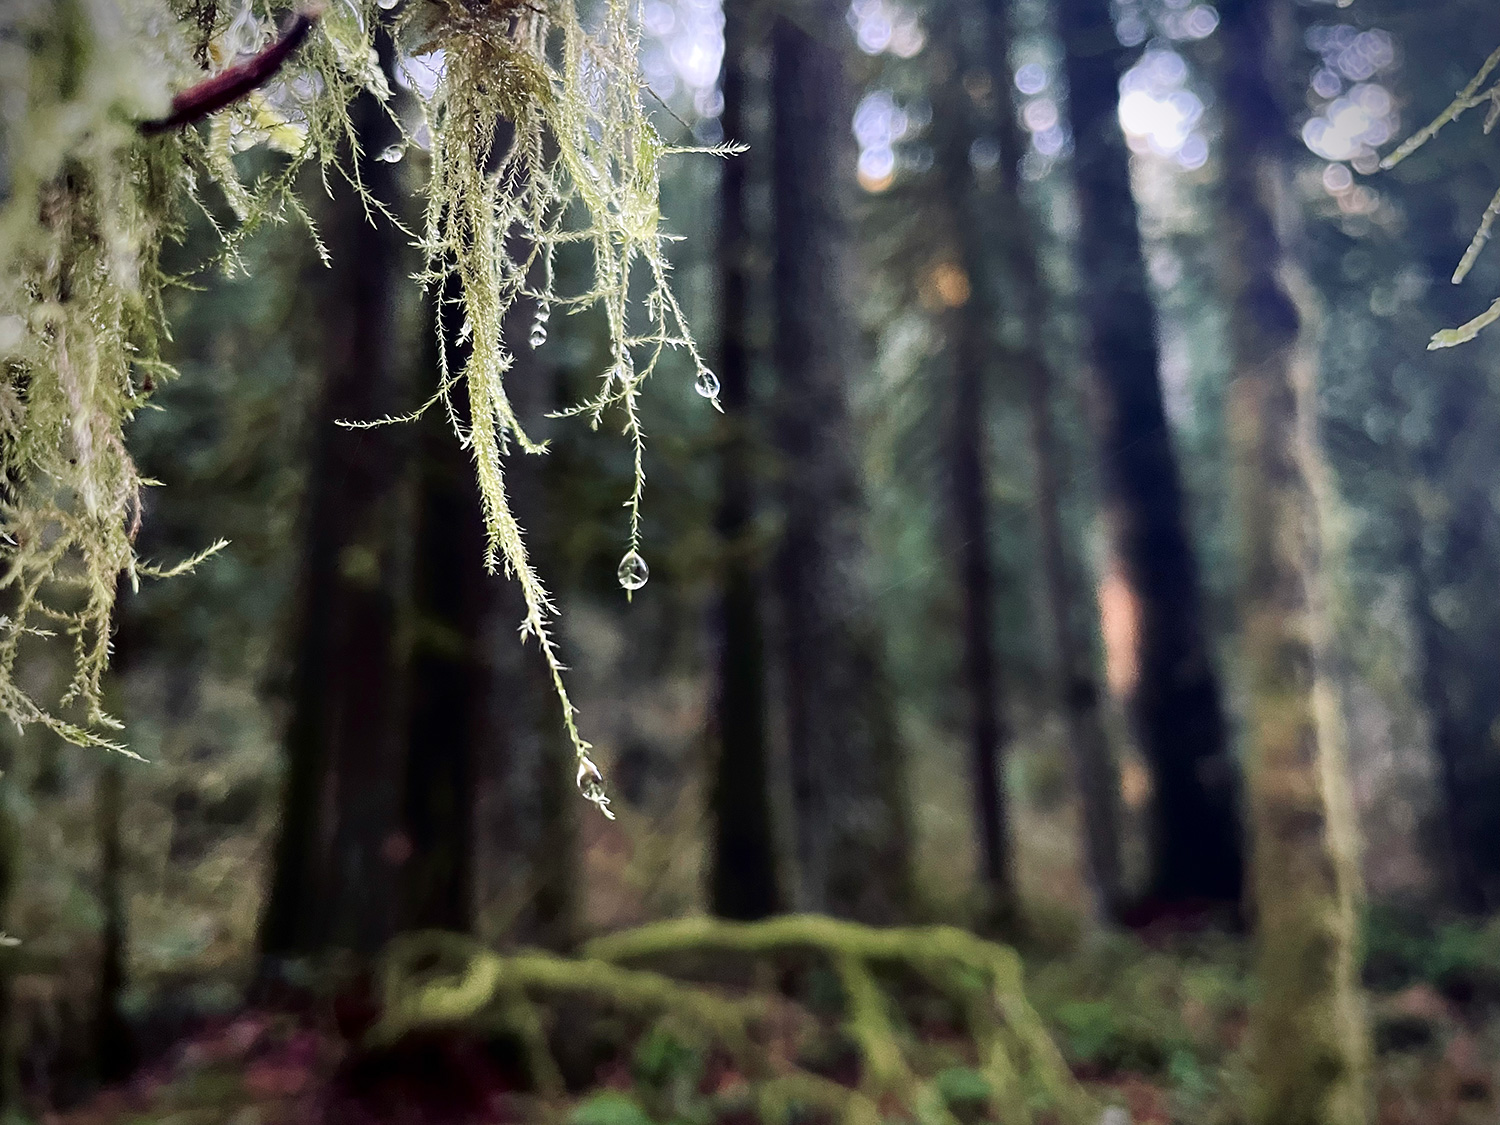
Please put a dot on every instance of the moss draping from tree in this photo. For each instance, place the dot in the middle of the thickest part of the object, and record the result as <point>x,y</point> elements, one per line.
<point>91,202</point>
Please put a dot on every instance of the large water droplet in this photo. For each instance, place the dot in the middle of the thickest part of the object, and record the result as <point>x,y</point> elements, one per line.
<point>543,313</point>
<point>707,383</point>
<point>633,571</point>
<point>591,785</point>
<point>538,334</point>
<point>392,154</point>
<point>388,4</point>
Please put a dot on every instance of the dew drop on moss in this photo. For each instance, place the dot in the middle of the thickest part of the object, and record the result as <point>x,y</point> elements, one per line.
<point>392,155</point>
<point>633,571</point>
<point>538,334</point>
<point>707,383</point>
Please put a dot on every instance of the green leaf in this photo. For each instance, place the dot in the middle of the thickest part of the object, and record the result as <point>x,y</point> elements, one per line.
<point>609,1108</point>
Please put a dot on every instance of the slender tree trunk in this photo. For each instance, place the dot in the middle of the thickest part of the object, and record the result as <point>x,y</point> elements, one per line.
<point>114,1043</point>
<point>1460,724</point>
<point>1175,703</point>
<point>848,789</point>
<point>1310,1040</point>
<point>336,881</point>
<point>453,599</point>
<point>744,877</point>
<point>528,806</point>
<point>973,353</point>
<point>1095,772</point>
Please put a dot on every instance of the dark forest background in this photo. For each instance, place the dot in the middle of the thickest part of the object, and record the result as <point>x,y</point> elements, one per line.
<point>951,615</point>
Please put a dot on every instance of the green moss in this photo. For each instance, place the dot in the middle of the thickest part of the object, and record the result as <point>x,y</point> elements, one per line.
<point>91,202</point>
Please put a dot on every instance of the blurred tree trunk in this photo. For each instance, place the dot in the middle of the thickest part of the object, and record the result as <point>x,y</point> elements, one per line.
<point>969,290</point>
<point>744,880</point>
<point>848,784</point>
<point>1095,773</point>
<point>1455,680</point>
<point>335,878</point>
<point>1174,702</point>
<point>114,1054</point>
<point>453,599</point>
<point>528,805</point>
<point>1310,1039</point>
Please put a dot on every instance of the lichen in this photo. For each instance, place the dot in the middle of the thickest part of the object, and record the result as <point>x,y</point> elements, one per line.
<point>539,140</point>
<point>447,980</point>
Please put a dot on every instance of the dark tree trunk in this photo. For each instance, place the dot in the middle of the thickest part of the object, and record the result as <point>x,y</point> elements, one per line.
<point>1309,1035</point>
<point>115,1055</point>
<point>974,357</point>
<point>1175,703</point>
<point>1444,553</point>
<point>528,805</point>
<point>848,789</point>
<point>453,600</point>
<point>744,874</point>
<point>114,1045</point>
<point>336,875</point>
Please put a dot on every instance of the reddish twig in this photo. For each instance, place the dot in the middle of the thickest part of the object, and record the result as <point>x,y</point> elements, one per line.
<point>228,87</point>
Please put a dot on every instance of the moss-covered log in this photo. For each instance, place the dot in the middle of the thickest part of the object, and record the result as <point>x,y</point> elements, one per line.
<point>437,980</point>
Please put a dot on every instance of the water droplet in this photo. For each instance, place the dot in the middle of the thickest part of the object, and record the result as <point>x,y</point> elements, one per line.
<point>633,571</point>
<point>707,383</point>
<point>591,785</point>
<point>388,4</point>
<point>392,155</point>
<point>543,313</point>
<point>538,334</point>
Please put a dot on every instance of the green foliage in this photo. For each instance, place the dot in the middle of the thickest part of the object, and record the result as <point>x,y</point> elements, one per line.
<point>1460,958</point>
<point>609,1108</point>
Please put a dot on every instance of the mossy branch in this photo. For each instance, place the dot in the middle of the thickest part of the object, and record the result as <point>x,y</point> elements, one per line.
<point>1470,97</point>
<point>445,979</point>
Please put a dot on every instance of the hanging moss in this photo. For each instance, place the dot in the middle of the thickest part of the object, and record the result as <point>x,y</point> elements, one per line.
<point>1479,92</point>
<point>92,200</point>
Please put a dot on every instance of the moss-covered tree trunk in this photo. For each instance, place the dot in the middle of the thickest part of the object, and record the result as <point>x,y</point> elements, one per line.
<point>1174,700</point>
<point>745,881</point>
<point>335,881</point>
<point>1310,1040</point>
<point>1080,699</point>
<point>848,786</point>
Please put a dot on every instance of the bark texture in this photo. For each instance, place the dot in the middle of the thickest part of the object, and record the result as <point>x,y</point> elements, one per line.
<point>848,789</point>
<point>335,878</point>
<point>745,878</point>
<point>1175,703</point>
<point>1310,1039</point>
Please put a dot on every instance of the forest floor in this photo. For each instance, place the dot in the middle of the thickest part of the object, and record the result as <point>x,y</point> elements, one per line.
<point>1154,1027</point>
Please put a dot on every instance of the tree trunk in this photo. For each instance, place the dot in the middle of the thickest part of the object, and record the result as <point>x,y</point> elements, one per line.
<point>114,1045</point>
<point>1174,702</point>
<point>335,880</point>
<point>744,874</point>
<point>528,805</point>
<point>970,326</point>
<point>1310,1040</point>
<point>848,788</point>
<point>1095,773</point>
